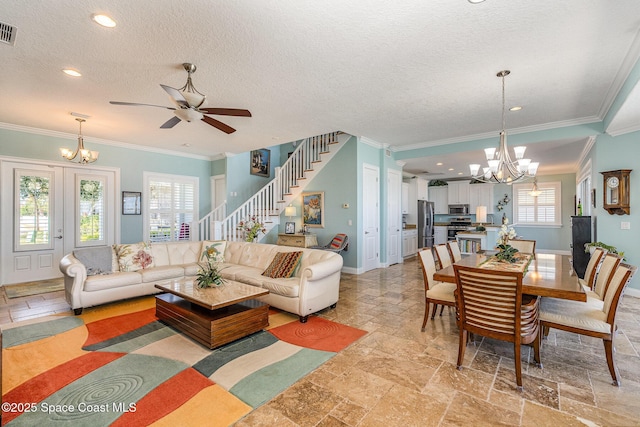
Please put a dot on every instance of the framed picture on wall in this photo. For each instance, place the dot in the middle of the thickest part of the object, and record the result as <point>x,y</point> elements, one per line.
<point>313,209</point>
<point>131,202</point>
<point>260,162</point>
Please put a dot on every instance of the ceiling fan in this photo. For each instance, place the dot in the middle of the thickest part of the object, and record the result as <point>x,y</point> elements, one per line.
<point>188,105</point>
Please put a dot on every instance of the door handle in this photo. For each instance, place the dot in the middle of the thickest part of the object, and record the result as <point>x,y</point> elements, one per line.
<point>366,232</point>
<point>58,237</point>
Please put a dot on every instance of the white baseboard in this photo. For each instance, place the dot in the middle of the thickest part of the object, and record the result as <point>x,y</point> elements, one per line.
<point>632,292</point>
<point>351,270</point>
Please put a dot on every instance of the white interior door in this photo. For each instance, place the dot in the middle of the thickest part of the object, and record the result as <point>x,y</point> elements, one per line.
<point>394,215</point>
<point>370,217</point>
<point>47,211</point>
<point>219,189</point>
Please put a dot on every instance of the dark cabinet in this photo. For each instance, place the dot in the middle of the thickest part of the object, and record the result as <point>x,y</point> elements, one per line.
<point>580,234</point>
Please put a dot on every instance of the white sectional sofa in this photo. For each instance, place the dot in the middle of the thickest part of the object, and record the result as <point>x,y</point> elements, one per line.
<point>314,286</point>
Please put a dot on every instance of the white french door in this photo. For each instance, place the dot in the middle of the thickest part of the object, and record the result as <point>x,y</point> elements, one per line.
<point>48,211</point>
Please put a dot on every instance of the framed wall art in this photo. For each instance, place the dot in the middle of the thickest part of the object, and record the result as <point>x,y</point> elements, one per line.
<point>131,202</point>
<point>290,228</point>
<point>313,209</point>
<point>260,162</point>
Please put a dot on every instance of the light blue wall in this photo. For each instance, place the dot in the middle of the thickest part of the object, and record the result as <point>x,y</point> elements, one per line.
<point>132,164</point>
<point>338,181</point>
<point>613,153</point>
<point>241,183</point>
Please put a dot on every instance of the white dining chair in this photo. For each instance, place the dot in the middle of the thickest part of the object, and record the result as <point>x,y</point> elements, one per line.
<point>589,279</point>
<point>588,319</point>
<point>454,251</point>
<point>436,293</point>
<point>442,252</point>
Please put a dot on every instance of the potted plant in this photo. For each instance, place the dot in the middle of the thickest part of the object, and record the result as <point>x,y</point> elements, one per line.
<point>590,247</point>
<point>209,274</point>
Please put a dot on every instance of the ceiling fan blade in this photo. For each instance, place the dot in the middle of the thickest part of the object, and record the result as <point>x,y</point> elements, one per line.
<point>135,103</point>
<point>170,123</point>
<point>217,124</point>
<point>176,96</point>
<point>226,112</point>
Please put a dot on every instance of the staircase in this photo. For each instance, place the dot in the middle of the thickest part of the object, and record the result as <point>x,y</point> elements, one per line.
<point>265,207</point>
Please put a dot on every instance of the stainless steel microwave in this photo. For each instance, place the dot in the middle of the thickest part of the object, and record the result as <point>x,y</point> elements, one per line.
<point>458,209</point>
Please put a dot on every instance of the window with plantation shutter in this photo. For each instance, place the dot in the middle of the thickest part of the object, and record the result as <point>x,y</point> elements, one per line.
<point>171,207</point>
<point>541,210</point>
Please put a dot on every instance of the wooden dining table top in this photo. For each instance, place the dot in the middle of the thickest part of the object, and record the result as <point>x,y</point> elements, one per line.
<point>548,275</point>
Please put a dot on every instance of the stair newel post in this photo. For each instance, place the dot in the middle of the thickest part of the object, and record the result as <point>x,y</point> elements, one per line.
<point>277,194</point>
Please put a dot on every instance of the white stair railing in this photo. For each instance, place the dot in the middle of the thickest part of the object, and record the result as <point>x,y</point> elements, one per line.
<point>265,206</point>
<point>206,224</point>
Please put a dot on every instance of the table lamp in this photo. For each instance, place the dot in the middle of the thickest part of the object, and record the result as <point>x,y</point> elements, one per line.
<point>481,216</point>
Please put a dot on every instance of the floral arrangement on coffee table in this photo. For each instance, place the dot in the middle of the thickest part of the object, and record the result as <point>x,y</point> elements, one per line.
<point>506,252</point>
<point>208,275</point>
<point>251,228</point>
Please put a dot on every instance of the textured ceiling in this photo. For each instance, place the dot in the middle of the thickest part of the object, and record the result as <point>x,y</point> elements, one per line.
<point>399,73</point>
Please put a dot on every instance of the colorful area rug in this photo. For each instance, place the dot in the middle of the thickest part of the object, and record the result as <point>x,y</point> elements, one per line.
<point>118,365</point>
<point>34,288</point>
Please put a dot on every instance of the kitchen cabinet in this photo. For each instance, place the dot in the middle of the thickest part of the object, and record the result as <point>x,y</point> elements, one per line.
<point>422,189</point>
<point>458,193</point>
<point>481,195</point>
<point>409,243</point>
<point>405,198</point>
<point>471,243</point>
<point>439,197</point>
<point>439,234</point>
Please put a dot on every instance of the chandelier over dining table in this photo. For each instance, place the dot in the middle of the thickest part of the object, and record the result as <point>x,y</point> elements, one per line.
<point>501,167</point>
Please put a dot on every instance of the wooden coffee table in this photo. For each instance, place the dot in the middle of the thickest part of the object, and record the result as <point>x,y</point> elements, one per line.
<point>212,316</point>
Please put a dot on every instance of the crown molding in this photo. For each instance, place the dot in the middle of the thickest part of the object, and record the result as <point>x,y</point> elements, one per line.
<point>622,131</point>
<point>372,142</point>
<point>111,143</point>
<point>494,134</point>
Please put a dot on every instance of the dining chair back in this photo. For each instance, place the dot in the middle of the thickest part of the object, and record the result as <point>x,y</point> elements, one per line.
<point>442,252</point>
<point>436,293</point>
<point>524,246</point>
<point>589,319</point>
<point>454,251</point>
<point>491,304</point>
<point>591,271</point>
<point>606,271</point>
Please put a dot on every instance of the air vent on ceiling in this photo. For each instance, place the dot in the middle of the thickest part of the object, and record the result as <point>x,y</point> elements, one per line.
<point>8,33</point>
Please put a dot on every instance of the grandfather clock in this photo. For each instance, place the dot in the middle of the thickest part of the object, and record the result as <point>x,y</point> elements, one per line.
<point>616,192</point>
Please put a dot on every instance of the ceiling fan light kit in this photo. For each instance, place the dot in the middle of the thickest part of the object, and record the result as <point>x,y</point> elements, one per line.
<point>188,105</point>
<point>85,156</point>
<point>501,168</point>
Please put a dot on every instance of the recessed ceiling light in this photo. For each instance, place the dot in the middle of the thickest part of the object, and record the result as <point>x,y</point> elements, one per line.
<point>518,108</point>
<point>71,72</point>
<point>103,20</point>
<point>450,169</point>
<point>439,164</point>
<point>475,1</point>
<point>459,173</point>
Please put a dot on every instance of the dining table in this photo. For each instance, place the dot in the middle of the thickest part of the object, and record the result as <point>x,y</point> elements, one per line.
<point>547,275</point>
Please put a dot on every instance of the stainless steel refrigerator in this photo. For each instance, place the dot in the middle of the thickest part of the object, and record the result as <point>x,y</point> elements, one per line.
<point>425,224</point>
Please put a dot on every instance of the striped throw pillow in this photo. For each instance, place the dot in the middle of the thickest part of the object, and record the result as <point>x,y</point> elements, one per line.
<point>284,265</point>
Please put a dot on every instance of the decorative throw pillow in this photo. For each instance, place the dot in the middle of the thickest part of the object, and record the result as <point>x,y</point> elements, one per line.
<point>134,257</point>
<point>284,265</point>
<point>215,249</point>
<point>337,241</point>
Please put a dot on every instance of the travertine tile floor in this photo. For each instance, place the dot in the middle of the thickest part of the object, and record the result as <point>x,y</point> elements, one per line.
<point>399,376</point>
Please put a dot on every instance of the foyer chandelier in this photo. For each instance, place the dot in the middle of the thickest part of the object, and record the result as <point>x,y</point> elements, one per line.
<point>501,168</point>
<point>83,155</point>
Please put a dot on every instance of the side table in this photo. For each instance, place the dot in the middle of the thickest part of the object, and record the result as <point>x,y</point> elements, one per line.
<point>298,240</point>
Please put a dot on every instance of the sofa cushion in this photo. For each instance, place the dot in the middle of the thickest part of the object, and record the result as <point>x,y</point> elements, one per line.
<point>134,257</point>
<point>115,280</point>
<point>97,260</point>
<point>284,265</point>
<point>229,271</point>
<point>285,287</point>
<point>190,269</point>
<point>184,252</point>
<point>215,249</point>
<point>162,273</point>
<point>250,276</point>
<point>257,255</point>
